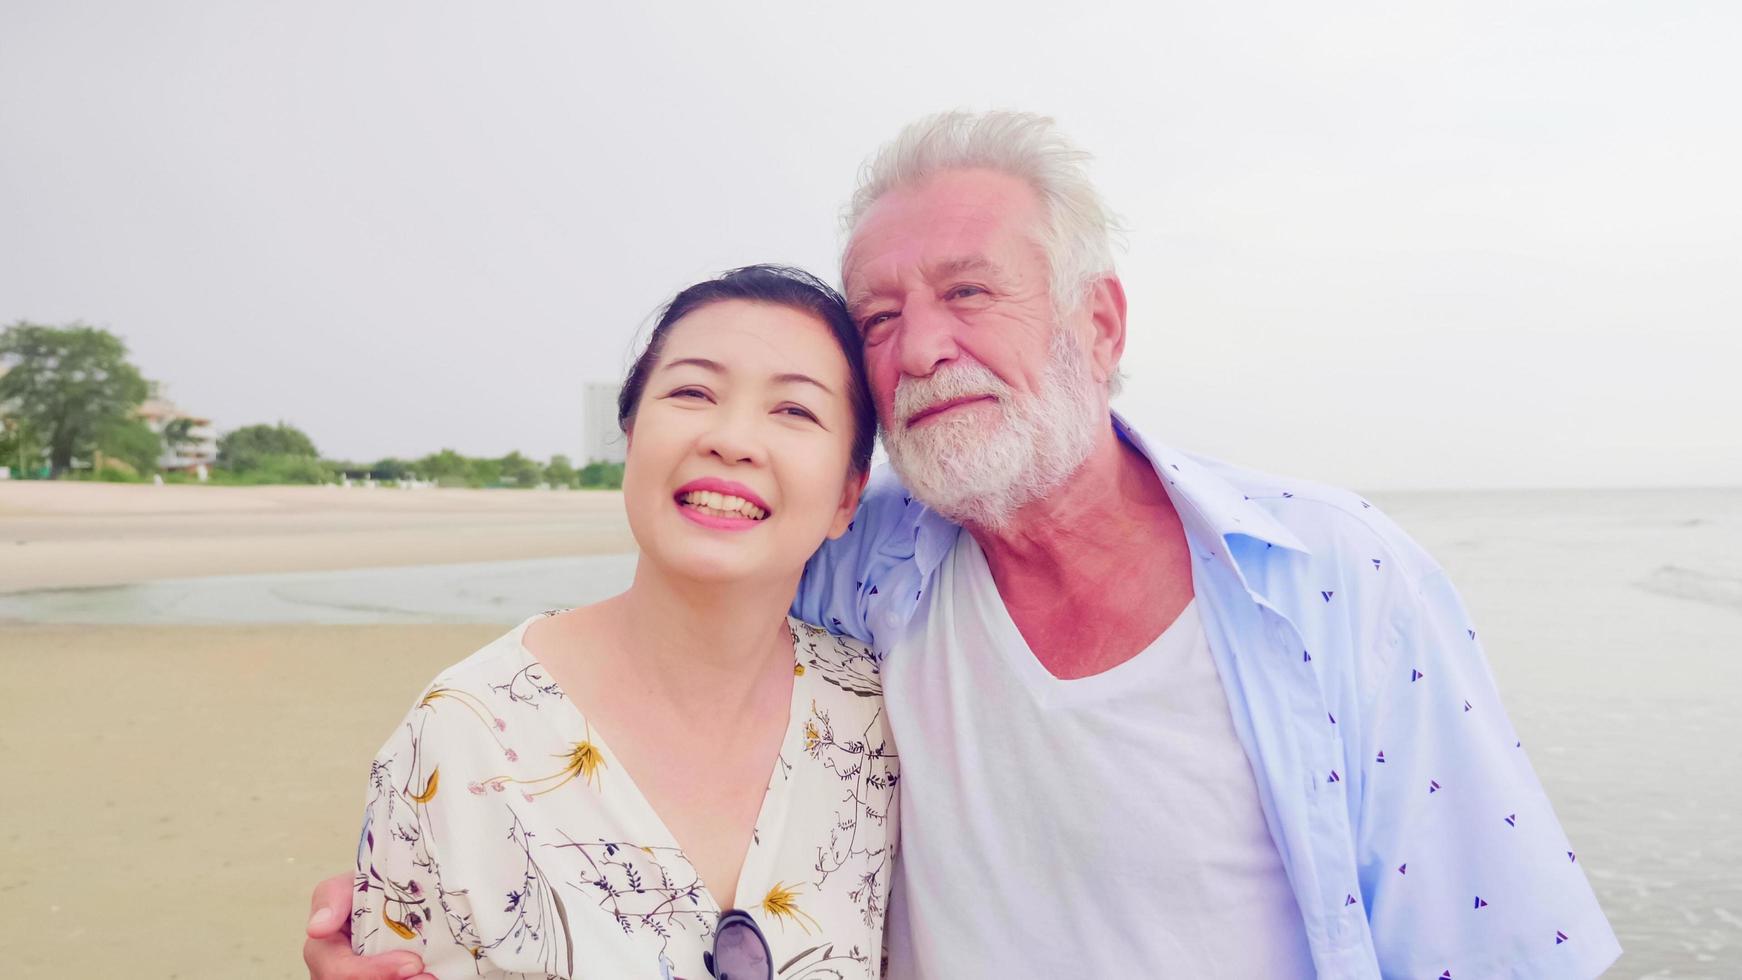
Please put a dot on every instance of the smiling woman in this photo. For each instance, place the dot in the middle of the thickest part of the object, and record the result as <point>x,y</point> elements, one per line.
<point>742,813</point>
<point>776,286</point>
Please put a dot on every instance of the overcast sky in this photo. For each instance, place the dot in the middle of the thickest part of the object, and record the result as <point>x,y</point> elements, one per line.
<point>1491,244</point>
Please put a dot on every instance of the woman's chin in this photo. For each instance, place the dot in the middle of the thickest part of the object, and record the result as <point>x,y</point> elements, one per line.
<point>717,566</point>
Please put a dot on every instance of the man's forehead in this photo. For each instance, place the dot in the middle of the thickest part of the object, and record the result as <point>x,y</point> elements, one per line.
<point>955,217</point>
<point>868,279</point>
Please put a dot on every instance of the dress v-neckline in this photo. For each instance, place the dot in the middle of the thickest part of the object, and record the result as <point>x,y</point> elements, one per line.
<point>749,870</point>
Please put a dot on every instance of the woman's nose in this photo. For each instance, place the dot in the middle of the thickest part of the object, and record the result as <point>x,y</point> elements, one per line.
<point>732,438</point>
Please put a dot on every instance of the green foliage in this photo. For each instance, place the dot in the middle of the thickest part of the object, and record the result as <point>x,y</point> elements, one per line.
<point>113,474</point>
<point>602,476</point>
<point>249,447</point>
<point>177,434</point>
<point>270,470</point>
<point>483,472</point>
<point>391,469</point>
<point>68,384</point>
<point>291,469</point>
<point>560,472</point>
<point>132,442</point>
<point>447,468</point>
<point>518,471</point>
<point>18,450</point>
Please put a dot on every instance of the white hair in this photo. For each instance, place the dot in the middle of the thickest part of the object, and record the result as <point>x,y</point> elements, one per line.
<point>1078,231</point>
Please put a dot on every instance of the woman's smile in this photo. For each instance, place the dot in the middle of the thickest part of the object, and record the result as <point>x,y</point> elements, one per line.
<point>721,504</point>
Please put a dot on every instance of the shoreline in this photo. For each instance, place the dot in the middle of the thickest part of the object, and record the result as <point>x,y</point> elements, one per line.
<point>80,535</point>
<point>173,782</point>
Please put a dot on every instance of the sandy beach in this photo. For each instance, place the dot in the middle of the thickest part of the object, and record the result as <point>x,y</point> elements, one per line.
<point>69,535</point>
<point>173,791</point>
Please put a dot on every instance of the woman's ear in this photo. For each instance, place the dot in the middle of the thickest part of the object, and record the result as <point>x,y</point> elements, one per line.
<point>850,492</point>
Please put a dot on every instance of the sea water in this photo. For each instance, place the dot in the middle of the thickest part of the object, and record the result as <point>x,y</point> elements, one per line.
<point>1612,619</point>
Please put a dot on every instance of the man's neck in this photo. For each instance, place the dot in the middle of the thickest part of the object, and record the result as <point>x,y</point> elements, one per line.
<point>1106,548</point>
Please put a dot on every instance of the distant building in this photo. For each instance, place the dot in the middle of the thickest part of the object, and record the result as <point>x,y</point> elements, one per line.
<point>602,441</point>
<point>201,447</point>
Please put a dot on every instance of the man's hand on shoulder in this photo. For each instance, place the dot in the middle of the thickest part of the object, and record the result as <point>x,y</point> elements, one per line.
<point>327,950</point>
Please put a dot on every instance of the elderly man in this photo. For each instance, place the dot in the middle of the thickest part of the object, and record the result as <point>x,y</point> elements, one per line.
<point>1158,716</point>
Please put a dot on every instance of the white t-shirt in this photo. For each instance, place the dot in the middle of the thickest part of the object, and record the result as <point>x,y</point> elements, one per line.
<point>1107,826</point>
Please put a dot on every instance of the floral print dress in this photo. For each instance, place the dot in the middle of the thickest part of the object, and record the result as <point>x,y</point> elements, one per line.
<point>503,839</point>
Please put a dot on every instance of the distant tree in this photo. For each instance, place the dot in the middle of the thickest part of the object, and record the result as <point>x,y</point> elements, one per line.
<point>17,449</point>
<point>517,470</point>
<point>483,472</point>
<point>68,384</point>
<point>560,472</point>
<point>250,446</point>
<point>132,442</point>
<point>446,467</point>
<point>178,434</point>
<point>602,476</point>
<point>390,469</point>
<point>291,469</point>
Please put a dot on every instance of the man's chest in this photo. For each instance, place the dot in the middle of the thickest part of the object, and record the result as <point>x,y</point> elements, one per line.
<point>1097,803</point>
<point>1149,743</point>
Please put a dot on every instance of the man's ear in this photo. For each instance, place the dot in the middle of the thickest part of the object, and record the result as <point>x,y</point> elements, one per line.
<point>850,493</point>
<point>1106,305</point>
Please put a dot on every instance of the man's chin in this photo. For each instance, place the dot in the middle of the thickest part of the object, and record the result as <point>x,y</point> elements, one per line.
<point>943,483</point>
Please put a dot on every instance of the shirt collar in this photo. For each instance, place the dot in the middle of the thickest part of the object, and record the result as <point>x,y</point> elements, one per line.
<point>1207,503</point>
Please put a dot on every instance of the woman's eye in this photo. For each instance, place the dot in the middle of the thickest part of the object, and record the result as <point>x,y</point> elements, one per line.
<point>688,393</point>
<point>797,412</point>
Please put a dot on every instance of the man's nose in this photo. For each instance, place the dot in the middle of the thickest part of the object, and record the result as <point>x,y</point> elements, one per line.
<point>928,338</point>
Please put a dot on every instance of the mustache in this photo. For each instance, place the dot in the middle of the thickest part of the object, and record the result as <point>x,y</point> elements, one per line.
<point>960,380</point>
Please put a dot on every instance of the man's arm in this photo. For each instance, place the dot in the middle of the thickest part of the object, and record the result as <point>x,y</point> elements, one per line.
<point>1464,866</point>
<point>840,587</point>
<point>327,949</point>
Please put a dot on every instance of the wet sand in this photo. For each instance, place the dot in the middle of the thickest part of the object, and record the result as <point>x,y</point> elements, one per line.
<point>172,793</point>
<point>70,535</point>
<point>169,793</point>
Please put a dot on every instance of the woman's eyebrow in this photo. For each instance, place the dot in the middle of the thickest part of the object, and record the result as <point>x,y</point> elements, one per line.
<point>717,368</point>
<point>802,379</point>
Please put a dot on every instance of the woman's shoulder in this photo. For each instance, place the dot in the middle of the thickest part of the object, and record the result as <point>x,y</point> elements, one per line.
<point>484,667</point>
<point>840,661</point>
<point>496,682</point>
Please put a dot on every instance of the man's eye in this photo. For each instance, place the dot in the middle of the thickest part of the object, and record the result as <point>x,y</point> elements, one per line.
<point>876,319</point>
<point>963,292</point>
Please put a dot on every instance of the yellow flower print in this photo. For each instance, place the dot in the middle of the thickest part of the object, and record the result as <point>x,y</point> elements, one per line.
<point>429,787</point>
<point>584,760</point>
<point>480,710</point>
<point>782,904</point>
<point>472,703</point>
<point>400,929</point>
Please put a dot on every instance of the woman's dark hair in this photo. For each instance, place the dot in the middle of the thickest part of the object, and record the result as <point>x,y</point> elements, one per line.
<point>777,285</point>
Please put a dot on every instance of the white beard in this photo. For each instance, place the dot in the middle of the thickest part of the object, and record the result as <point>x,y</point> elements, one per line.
<point>979,471</point>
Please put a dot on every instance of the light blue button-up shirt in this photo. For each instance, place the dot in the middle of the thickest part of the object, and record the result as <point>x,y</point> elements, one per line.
<point>1417,838</point>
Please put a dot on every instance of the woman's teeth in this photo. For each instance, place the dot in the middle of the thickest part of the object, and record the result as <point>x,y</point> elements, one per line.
<point>721,505</point>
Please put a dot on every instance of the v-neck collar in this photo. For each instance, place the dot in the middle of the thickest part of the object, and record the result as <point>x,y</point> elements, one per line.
<point>753,868</point>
